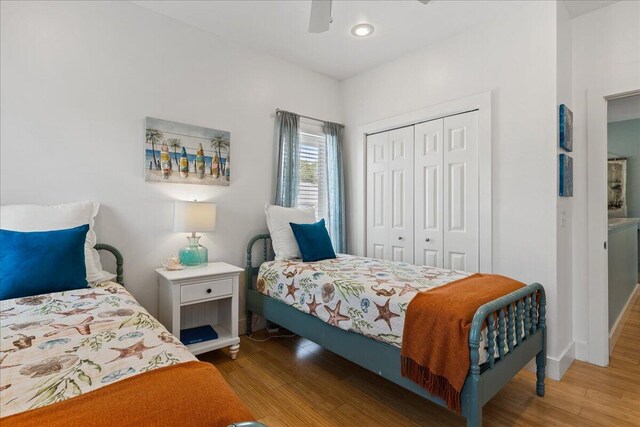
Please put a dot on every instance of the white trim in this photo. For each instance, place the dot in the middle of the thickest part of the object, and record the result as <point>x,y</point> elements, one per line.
<point>558,366</point>
<point>480,102</point>
<point>614,334</point>
<point>582,350</point>
<point>598,301</point>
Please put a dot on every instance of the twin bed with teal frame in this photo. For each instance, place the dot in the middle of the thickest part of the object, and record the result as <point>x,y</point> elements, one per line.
<point>522,310</point>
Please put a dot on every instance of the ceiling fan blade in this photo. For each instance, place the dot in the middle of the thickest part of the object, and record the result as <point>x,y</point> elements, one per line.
<point>320,16</point>
<point>424,1</point>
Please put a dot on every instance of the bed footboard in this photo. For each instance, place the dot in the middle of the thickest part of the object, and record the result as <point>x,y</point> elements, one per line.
<point>515,331</point>
<point>515,328</point>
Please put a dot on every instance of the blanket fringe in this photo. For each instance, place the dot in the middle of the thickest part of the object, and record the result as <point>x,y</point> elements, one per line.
<point>433,383</point>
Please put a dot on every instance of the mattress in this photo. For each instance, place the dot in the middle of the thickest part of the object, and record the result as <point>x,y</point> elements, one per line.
<point>363,295</point>
<point>60,345</point>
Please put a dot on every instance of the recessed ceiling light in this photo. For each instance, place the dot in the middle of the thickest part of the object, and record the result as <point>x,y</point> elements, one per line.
<point>362,30</point>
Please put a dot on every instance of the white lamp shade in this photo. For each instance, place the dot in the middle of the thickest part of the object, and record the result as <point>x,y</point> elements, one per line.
<point>194,217</point>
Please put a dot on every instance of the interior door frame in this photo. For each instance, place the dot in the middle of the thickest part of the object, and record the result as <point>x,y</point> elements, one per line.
<point>598,263</point>
<point>480,102</point>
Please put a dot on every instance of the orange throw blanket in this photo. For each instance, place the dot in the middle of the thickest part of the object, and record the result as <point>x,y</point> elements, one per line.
<point>189,394</point>
<point>435,345</point>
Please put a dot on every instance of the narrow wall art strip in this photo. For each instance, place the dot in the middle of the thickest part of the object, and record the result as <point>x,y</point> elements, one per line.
<point>566,128</point>
<point>566,176</point>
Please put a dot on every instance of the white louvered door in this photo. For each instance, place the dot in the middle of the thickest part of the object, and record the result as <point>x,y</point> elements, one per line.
<point>428,221</point>
<point>401,194</point>
<point>461,192</point>
<point>377,195</point>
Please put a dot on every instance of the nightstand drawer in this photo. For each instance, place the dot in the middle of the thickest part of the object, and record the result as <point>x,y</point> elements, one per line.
<point>206,290</point>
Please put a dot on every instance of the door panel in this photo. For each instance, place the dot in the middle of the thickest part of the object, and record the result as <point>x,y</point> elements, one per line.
<point>401,142</point>
<point>457,196</point>
<point>428,213</point>
<point>398,186</point>
<point>399,254</point>
<point>461,192</point>
<point>457,261</point>
<point>377,192</point>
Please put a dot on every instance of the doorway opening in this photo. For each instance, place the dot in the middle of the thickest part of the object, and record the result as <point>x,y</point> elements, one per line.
<point>623,210</point>
<point>600,327</point>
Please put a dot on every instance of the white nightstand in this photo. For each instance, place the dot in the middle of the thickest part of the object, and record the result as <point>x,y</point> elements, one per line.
<point>198,296</point>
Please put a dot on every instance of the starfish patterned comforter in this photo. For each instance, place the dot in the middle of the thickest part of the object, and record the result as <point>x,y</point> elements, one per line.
<point>364,295</point>
<point>60,345</point>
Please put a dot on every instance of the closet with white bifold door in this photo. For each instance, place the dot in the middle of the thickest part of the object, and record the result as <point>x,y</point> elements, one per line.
<point>422,193</point>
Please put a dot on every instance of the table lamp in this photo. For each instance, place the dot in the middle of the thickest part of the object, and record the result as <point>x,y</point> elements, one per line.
<point>194,217</point>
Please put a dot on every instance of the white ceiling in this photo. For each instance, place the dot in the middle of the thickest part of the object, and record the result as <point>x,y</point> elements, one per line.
<point>626,108</point>
<point>280,28</point>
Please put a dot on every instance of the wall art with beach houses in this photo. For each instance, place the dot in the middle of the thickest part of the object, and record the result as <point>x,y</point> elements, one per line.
<point>186,154</point>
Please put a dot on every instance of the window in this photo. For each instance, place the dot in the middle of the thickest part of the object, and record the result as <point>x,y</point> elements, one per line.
<point>313,169</point>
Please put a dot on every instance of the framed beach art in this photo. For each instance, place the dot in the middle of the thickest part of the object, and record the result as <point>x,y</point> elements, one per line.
<point>186,154</point>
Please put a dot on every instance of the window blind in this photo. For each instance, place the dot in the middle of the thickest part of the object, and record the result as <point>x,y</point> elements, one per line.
<point>313,171</point>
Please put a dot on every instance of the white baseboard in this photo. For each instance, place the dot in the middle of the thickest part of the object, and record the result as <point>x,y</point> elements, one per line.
<point>259,324</point>
<point>615,331</point>
<point>242,326</point>
<point>557,367</point>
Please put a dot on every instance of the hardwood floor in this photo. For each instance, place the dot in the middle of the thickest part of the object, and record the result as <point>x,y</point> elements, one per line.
<point>294,382</point>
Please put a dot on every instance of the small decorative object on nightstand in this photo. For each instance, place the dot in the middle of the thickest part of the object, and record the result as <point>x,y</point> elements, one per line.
<point>200,303</point>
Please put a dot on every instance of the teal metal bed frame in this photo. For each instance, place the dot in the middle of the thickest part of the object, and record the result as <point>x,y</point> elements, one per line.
<point>119,260</point>
<point>523,310</point>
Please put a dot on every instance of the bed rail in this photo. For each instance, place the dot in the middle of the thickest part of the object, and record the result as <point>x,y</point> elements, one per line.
<point>515,326</point>
<point>119,260</point>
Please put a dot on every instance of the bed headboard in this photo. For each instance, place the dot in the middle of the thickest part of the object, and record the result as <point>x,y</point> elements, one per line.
<point>119,260</point>
<point>266,255</point>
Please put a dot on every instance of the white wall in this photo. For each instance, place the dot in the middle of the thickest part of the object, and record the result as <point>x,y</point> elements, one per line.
<point>565,204</point>
<point>78,79</point>
<point>606,49</point>
<point>516,60</point>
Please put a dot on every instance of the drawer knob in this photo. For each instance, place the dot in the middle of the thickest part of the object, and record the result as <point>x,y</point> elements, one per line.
<point>427,240</point>
<point>209,290</point>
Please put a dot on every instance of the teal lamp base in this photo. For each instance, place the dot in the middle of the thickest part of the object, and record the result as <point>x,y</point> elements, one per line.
<point>194,253</point>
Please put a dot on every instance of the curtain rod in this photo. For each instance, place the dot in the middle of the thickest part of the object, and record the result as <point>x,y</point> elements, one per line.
<point>306,117</point>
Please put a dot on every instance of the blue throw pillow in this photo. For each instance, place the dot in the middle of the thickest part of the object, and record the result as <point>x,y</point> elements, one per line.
<point>40,262</point>
<point>313,240</point>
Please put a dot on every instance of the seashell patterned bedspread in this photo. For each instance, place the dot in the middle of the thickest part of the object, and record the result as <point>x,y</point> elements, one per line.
<point>364,295</point>
<point>60,345</point>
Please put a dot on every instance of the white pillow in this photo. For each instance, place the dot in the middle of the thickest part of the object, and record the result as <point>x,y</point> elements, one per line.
<point>282,239</point>
<point>59,217</point>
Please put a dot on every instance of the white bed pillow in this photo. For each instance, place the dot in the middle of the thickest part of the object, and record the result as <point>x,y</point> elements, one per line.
<point>282,239</point>
<point>59,217</point>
